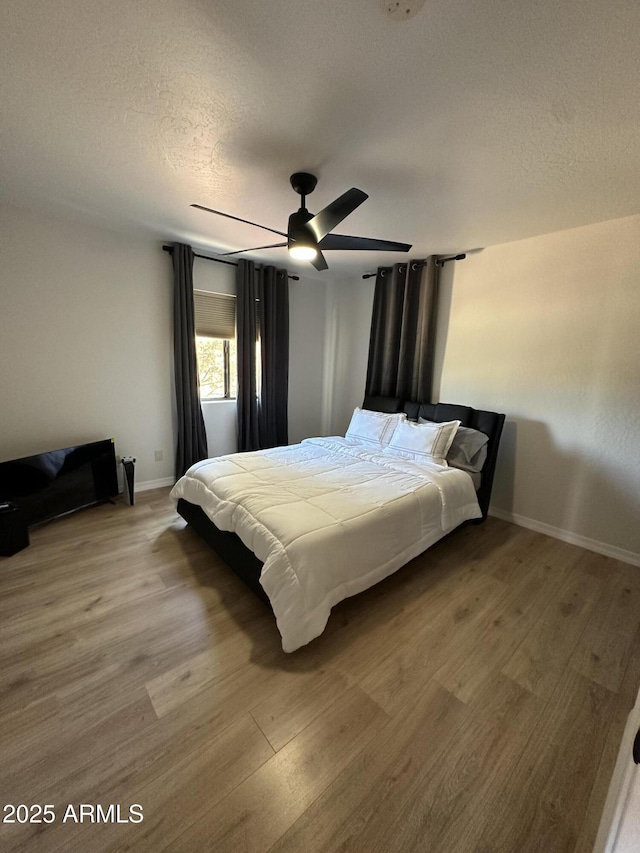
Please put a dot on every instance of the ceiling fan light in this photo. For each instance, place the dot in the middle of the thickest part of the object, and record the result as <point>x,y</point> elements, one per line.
<point>303,253</point>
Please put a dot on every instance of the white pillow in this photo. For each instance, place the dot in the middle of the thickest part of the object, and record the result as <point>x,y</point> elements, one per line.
<point>428,442</point>
<point>373,427</point>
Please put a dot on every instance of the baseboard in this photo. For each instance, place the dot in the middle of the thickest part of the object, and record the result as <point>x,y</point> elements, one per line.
<point>567,536</point>
<point>147,485</point>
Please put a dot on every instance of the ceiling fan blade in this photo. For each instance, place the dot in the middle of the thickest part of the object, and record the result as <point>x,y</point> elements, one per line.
<point>342,241</point>
<point>319,262</point>
<point>238,219</point>
<point>254,249</point>
<point>335,212</point>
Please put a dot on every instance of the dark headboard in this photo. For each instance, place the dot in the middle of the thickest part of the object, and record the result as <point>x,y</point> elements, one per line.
<point>490,423</point>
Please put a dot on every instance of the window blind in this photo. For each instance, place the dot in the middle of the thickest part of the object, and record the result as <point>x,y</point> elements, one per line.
<point>215,314</point>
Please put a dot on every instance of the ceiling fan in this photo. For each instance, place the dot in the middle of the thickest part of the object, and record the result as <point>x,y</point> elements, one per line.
<point>309,235</point>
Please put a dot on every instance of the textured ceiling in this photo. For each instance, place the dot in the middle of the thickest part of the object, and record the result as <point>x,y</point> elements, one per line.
<point>472,123</point>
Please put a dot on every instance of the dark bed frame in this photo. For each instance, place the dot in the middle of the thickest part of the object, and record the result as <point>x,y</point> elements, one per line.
<point>245,563</point>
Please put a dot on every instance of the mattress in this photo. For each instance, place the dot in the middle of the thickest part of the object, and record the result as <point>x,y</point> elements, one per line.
<point>328,518</point>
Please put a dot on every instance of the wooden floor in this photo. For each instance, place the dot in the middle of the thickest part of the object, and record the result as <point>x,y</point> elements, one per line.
<point>472,702</point>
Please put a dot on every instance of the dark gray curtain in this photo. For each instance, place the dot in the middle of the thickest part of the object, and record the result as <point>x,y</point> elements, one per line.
<point>262,302</point>
<point>403,326</point>
<point>192,438</point>
<point>246,331</point>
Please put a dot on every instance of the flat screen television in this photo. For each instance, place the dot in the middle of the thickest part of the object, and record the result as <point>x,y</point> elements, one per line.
<point>51,484</point>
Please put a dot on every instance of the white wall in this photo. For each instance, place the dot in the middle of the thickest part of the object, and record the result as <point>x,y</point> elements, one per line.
<point>348,326</point>
<point>86,344</point>
<point>307,335</point>
<point>547,330</point>
<point>85,341</point>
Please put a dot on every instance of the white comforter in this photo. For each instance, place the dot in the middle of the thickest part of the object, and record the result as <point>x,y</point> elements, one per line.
<point>328,518</point>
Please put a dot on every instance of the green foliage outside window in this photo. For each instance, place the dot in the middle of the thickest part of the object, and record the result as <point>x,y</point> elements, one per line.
<point>216,367</point>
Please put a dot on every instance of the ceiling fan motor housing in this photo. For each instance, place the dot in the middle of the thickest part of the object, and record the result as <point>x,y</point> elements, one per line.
<point>297,231</point>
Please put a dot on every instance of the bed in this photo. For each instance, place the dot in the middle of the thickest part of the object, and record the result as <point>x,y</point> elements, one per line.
<point>308,525</point>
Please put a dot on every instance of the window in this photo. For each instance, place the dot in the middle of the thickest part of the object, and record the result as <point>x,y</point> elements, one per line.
<point>215,321</point>
<point>216,367</point>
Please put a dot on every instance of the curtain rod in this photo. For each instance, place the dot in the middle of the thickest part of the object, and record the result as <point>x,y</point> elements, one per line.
<point>219,260</point>
<point>439,263</point>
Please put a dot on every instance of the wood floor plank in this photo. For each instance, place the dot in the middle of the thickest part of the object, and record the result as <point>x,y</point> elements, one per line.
<point>395,680</point>
<point>373,788</point>
<point>60,751</point>
<point>447,806</point>
<point>287,711</point>
<point>540,660</point>
<point>49,772</point>
<point>550,789</point>
<point>22,730</point>
<point>603,650</point>
<point>264,806</point>
<point>188,678</point>
<point>182,794</point>
<point>134,666</point>
<point>69,606</point>
<point>468,672</point>
<point>494,554</point>
<point>363,644</point>
<point>111,760</point>
<point>516,550</point>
